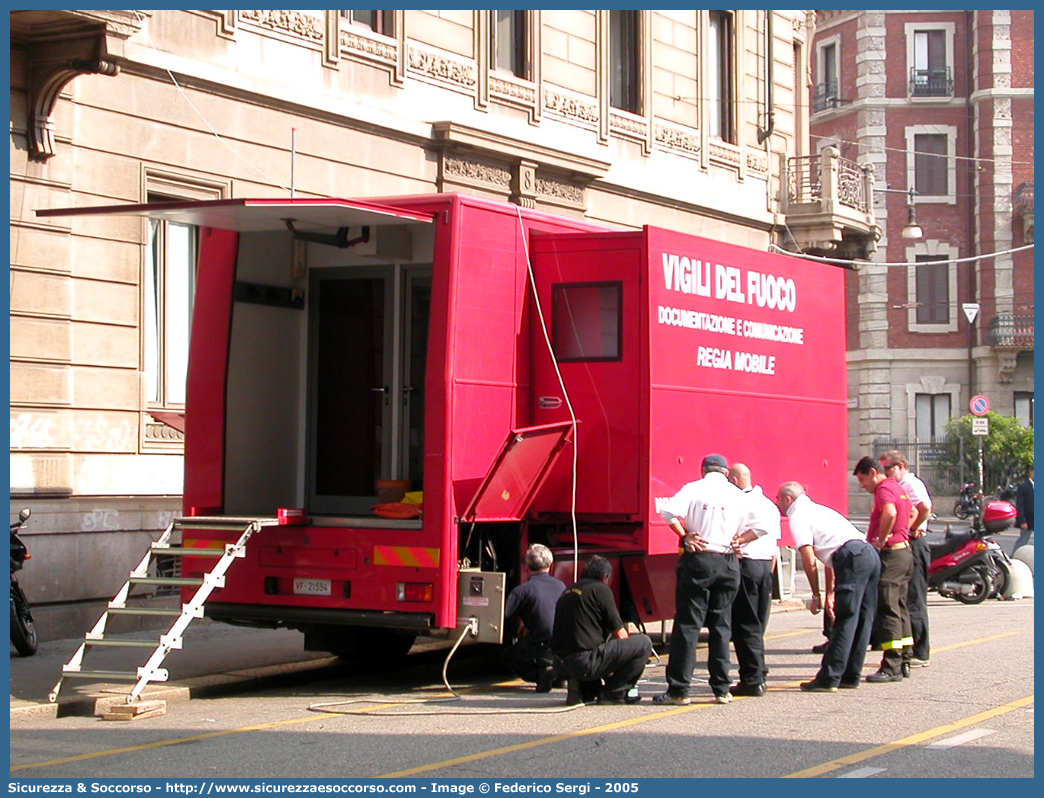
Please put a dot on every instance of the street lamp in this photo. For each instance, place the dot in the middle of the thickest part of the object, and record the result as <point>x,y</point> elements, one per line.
<point>912,229</point>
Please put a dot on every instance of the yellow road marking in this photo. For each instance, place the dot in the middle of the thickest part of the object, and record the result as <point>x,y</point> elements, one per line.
<point>483,755</point>
<point>620,724</point>
<point>913,739</point>
<point>952,646</point>
<point>197,737</point>
<point>161,743</point>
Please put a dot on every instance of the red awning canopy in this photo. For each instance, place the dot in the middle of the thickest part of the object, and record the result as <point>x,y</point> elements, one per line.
<point>258,215</point>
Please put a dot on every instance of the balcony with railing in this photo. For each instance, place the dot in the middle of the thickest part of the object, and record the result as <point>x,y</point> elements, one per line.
<point>1011,331</point>
<point>825,96</point>
<point>931,82</point>
<point>828,202</point>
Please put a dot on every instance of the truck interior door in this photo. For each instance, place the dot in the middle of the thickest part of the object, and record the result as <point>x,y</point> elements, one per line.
<point>367,350</point>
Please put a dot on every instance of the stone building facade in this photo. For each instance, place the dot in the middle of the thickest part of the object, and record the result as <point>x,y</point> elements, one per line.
<point>684,119</point>
<point>940,102</point>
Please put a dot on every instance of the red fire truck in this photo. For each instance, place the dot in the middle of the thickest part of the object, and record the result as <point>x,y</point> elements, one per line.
<point>534,378</point>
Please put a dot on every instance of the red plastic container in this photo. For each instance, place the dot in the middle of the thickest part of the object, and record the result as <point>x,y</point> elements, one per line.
<point>292,516</point>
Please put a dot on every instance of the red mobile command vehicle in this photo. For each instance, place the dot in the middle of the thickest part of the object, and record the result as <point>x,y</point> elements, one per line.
<point>339,343</point>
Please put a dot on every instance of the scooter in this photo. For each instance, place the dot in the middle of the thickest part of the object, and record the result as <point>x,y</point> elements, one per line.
<point>23,628</point>
<point>970,566</point>
<point>969,503</point>
<point>1006,493</point>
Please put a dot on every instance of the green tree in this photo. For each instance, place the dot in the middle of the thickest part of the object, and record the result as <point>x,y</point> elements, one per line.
<point>1007,452</point>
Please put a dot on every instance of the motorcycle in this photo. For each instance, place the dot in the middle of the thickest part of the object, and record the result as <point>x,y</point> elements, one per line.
<point>1007,493</point>
<point>970,566</point>
<point>23,628</point>
<point>969,503</point>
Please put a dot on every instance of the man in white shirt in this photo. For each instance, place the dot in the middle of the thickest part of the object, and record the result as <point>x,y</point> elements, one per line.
<point>757,548</point>
<point>706,515</point>
<point>853,569</point>
<point>895,465</point>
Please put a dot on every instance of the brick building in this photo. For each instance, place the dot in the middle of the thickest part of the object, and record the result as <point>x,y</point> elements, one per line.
<point>941,103</point>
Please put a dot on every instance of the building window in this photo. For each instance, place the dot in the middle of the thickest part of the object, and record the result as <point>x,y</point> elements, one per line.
<point>933,289</point>
<point>930,75</point>
<point>377,21</point>
<point>170,286</point>
<point>586,321</point>
<point>929,58</point>
<point>1024,407</point>
<point>719,76</point>
<point>932,413</point>
<point>826,95</point>
<point>931,165</point>
<point>624,51</point>
<point>509,43</point>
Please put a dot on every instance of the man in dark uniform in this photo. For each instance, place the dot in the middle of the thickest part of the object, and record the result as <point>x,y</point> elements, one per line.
<point>889,533</point>
<point>591,644</point>
<point>1024,504</point>
<point>533,604</point>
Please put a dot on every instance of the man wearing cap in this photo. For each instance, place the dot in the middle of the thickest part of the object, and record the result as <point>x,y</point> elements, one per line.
<point>706,515</point>
<point>895,465</point>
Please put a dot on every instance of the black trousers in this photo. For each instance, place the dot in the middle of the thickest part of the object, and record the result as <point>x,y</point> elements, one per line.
<point>706,587</point>
<point>917,598</point>
<point>892,632</point>
<point>528,658</point>
<point>750,616</point>
<point>857,572</point>
<point>618,662</point>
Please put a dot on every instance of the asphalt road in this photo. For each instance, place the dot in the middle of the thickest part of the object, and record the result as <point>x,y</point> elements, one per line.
<point>968,715</point>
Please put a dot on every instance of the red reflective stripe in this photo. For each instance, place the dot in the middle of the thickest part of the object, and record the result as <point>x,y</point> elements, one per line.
<point>406,555</point>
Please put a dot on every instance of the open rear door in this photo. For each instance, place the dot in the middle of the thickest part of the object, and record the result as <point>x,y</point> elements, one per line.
<point>518,472</point>
<point>250,382</point>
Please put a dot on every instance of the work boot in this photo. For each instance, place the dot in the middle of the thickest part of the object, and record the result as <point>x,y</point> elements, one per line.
<point>545,679</point>
<point>817,687</point>
<point>881,676</point>
<point>744,689</point>
<point>668,698</point>
<point>578,692</point>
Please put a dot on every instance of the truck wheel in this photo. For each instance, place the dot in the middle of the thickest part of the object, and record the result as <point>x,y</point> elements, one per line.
<point>388,646</point>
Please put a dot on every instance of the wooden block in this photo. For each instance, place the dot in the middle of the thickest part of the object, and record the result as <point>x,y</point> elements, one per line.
<point>136,711</point>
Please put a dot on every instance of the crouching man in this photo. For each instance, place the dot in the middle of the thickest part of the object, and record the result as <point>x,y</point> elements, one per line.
<point>595,652</point>
<point>533,604</point>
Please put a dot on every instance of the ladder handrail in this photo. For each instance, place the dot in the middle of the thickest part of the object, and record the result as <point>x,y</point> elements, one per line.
<point>193,609</point>
<point>212,580</point>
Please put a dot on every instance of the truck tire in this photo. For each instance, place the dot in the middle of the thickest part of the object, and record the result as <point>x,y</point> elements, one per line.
<point>388,646</point>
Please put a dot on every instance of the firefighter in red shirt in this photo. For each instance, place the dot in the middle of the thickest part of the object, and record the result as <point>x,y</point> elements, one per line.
<point>889,533</point>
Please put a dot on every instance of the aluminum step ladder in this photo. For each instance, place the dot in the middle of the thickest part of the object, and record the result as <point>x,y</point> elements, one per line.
<point>207,583</point>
